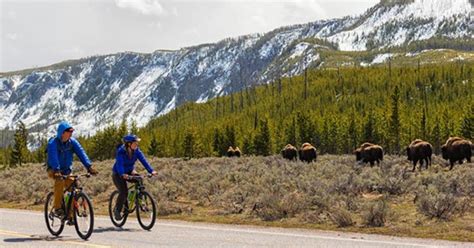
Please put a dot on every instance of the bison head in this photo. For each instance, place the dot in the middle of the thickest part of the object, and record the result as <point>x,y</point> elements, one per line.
<point>444,152</point>
<point>409,153</point>
<point>358,155</point>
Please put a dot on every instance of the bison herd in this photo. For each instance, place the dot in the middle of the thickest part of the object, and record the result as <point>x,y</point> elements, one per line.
<point>454,150</point>
<point>418,152</point>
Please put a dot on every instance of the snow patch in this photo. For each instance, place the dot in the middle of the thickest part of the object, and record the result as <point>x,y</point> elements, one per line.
<point>381,58</point>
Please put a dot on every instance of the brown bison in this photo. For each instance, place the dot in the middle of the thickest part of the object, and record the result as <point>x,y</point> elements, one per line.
<point>237,152</point>
<point>457,149</point>
<point>289,152</point>
<point>230,152</point>
<point>420,150</point>
<point>307,153</point>
<point>369,153</point>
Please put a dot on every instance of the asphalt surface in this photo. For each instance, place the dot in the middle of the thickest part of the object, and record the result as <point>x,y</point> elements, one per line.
<point>28,229</point>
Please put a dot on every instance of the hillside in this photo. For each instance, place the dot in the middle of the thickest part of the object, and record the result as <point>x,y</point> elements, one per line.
<point>342,109</point>
<point>97,91</point>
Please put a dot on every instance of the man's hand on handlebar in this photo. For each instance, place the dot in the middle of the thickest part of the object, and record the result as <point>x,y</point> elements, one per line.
<point>57,174</point>
<point>92,170</point>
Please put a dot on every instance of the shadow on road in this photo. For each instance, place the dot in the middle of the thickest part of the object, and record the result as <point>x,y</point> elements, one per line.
<point>33,238</point>
<point>114,229</point>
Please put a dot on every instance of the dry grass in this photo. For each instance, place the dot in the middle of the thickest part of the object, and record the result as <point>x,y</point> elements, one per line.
<point>333,193</point>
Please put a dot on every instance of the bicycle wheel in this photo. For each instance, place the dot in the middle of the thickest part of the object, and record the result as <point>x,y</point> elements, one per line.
<point>55,225</point>
<point>146,210</point>
<point>112,203</point>
<point>83,215</point>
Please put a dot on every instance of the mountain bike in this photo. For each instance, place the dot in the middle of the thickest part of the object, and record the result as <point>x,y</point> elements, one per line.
<point>139,200</point>
<point>74,200</point>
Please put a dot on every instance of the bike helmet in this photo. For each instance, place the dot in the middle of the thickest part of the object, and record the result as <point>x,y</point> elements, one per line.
<point>131,138</point>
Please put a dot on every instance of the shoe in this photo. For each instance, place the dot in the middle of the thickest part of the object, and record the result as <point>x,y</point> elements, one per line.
<point>58,212</point>
<point>117,215</point>
<point>70,222</point>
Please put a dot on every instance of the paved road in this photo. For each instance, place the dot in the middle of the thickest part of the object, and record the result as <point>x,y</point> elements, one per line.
<point>27,229</point>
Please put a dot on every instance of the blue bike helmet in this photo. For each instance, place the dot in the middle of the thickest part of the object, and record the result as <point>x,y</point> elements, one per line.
<point>130,138</point>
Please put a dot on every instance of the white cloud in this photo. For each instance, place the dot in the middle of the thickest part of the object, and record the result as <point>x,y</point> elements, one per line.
<point>146,7</point>
<point>12,36</point>
<point>154,24</point>
<point>73,51</point>
<point>259,20</point>
<point>11,14</point>
<point>314,6</point>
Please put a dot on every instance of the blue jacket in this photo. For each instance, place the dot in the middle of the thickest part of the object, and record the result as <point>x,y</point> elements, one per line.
<point>60,153</point>
<point>125,165</point>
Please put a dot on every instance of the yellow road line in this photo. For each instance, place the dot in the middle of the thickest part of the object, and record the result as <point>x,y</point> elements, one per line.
<point>16,234</point>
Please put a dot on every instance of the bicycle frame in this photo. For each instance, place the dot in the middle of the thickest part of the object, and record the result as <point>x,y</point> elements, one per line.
<point>133,191</point>
<point>74,189</point>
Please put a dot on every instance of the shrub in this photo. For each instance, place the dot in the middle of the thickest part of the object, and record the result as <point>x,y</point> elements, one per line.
<point>268,208</point>
<point>444,206</point>
<point>341,217</point>
<point>375,214</point>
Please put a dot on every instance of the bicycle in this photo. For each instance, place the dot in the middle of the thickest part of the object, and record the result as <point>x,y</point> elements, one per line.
<point>138,200</point>
<point>78,202</point>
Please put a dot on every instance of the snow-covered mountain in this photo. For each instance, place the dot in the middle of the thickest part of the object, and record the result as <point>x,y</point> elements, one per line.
<point>94,92</point>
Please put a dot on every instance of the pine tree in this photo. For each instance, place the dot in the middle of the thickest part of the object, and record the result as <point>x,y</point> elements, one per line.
<point>154,147</point>
<point>395,121</point>
<point>423,125</point>
<point>39,154</point>
<point>369,129</point>
<point>353,135</point>
<point>217,143</point>
<point>467,124</point>
<point>19,153</point>
<point>122,129</point>
<point>436,137</point>
<point>134,128</point>
<point>290,132</point>
<point>262,141</point>
<point>305,93</point>
<point>306,129</point>
<point>188,144</point>
<point>229,136</point>
<point>248,145</point>
<point>447,128</point>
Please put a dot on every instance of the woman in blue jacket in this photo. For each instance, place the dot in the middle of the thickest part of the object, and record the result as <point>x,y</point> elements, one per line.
<point>125,158</point>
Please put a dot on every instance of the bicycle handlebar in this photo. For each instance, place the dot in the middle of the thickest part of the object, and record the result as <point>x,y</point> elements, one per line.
<point>139,177</point>
<point>75,177</point>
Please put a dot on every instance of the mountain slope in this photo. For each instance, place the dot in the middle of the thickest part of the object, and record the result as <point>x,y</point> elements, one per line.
<point>97,91</point>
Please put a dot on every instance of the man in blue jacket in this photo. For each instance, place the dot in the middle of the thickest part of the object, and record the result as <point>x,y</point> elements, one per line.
<point>125,158</point>
<point>60,154</point>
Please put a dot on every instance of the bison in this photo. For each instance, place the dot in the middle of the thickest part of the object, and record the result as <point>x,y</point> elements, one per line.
<point>420,150</point>
<point>369,153</point>
<point>230,152</point>
<point>289,152</point>
<point>237,152</point>
<point>457,149</point>
<point>307,153</point>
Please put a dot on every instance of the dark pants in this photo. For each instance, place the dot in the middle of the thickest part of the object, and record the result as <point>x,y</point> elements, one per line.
<point>121,185</point>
